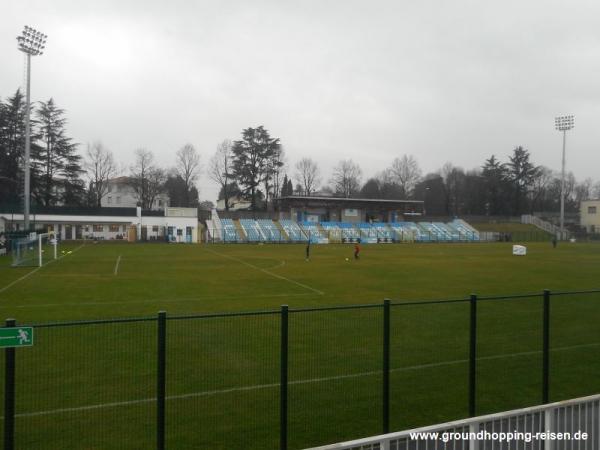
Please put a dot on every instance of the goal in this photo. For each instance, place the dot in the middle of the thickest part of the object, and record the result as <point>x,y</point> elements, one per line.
<point>35,250</point>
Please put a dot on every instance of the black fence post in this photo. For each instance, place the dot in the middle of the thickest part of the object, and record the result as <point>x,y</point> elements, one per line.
<point>9,394</point>
<point>546,349</point>
<point>161,380</point>
<point>473,358</point>
<point>283,389</point>
<point>386,366</point>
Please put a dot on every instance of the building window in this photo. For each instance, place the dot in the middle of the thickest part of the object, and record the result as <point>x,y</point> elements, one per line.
<point>113,228</point>
<point>110,188</point>
<point>160,203</point>
<point>118,200</point>
<point>591,210</point>
<point>98,228</point>
<point>155,228</point>
<point>109,200</point>
<point>179,232</point>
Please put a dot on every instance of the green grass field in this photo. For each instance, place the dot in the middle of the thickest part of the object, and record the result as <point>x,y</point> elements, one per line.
<point>92,386</point>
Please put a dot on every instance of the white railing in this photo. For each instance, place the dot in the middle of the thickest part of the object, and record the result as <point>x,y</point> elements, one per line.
<point>543,225</point>
<point>506,430</point>
<point>217,225</point>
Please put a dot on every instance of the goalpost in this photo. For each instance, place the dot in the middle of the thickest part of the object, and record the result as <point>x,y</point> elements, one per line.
<point>35,249</point>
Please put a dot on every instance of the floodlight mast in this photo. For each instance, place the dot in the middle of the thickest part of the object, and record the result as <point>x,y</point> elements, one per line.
<point>563,123</point>
<point>32,43</point>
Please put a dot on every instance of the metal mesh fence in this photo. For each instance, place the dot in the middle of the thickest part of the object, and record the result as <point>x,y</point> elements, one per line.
<point>223,382</point>
<point>87,386</point>
<point>509,353</point>
<point>235,381</point>
<point>429,363</point>
<point>335,363</point>
<point>574,345</point>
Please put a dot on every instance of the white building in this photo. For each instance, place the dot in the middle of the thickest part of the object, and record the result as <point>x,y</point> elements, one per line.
<point>589,212</point>
<point>235,204</point>
<point>172,225</point>
<point>120,194</point>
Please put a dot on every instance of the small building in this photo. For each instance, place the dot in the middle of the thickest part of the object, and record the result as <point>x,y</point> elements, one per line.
<point>589,212</point>
<point>235,204</point>
<point>120,194</point>
<point>335,209</point>
<point>132,224</point>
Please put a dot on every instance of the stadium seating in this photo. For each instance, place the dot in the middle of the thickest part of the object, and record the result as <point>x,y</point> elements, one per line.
<point>230,233</point>
<point>265,230</point>
<point>434,231</point>
<point>466,231</point>
<point>383,232</point>
<point>252,230</point>
<point>409,231</point>
<point>270,231</point>
<point>312,230</point>
<point>293,230</point>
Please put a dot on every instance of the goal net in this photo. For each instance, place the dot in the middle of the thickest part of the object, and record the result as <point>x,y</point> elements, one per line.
<point>34,250</point>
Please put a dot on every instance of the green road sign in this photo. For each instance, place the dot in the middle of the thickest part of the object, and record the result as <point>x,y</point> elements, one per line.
<point>16,337</point>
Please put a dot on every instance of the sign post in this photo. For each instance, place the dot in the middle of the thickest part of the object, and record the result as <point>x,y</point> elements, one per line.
<point>12,336</point>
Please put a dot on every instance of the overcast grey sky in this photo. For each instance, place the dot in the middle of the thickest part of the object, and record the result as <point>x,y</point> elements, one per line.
<point>369,80</point>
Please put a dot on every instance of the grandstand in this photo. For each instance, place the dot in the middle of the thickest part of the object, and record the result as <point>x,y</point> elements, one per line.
<point>289,231</point>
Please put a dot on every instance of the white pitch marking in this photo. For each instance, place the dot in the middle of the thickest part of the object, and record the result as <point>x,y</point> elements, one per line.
<point>117,264</point>
<point>27,275</point>
<point>163,300</point>
<point>281,277</point>
<point>297,382</point>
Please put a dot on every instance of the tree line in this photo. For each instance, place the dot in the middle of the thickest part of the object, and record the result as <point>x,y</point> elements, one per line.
<point>60,175</point>
<point>255,168</point>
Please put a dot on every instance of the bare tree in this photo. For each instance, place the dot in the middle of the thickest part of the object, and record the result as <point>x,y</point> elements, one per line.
<point>596,190</point>
<point>583,190</point>
<point>539,187</point>
<point>156,184</point>
<point>139,176</point>
<point>220,171</point>
<point>308,175</point>
<point>406,173</point>
<point>101,167</point>
<point>346,178</point>
<point>188,168</point>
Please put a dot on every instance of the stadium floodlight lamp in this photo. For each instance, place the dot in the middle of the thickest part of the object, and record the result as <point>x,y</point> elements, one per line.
<point>564,124</point>
<point>31,42</point>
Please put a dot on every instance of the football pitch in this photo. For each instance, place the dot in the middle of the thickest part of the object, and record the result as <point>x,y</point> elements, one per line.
<point>94,386</point>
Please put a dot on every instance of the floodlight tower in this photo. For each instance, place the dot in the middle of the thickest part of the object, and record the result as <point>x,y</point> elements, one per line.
<point>32,43</point>
<point>563,123</point>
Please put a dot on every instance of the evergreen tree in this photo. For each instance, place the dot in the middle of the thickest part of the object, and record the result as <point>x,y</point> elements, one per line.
<point>12,143</point>
<point>251,158</point>
<point>57,161</point>
<point>521,174</point>
<point>495,181</point>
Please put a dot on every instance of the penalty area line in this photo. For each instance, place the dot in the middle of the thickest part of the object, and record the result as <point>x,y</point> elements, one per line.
<point>293,383</point>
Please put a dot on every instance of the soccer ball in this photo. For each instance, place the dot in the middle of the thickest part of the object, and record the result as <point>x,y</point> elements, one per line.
<point>347,259</point>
